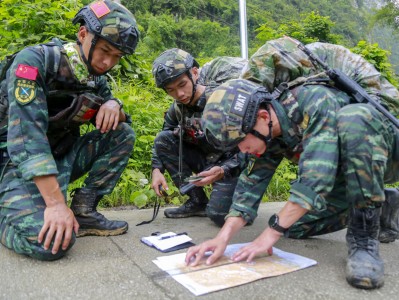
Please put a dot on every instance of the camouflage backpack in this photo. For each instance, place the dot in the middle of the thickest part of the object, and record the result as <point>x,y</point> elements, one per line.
<point>219,70</point>
<point>280,60</point>
<point>216,72</point>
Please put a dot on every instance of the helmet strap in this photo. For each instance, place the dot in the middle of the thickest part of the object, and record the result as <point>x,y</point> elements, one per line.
<point>190,76</point>
<point>87,61</point>
<point>266,138</point>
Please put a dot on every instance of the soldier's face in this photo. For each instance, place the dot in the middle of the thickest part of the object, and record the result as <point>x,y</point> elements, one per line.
<point>182,88</point>
<point>252,144</point>
<point>105,56</point>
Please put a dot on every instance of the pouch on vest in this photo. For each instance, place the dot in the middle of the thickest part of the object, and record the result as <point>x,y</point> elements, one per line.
<point>82,109</point>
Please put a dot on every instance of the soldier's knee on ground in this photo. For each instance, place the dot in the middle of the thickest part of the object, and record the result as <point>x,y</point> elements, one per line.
<point>37,251</point>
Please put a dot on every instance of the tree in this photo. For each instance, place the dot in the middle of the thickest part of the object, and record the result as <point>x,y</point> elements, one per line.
<point>312,28</point>
<point>30,22</point>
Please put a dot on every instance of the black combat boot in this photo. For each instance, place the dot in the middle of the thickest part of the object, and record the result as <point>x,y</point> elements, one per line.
<point>364,268</point>
<point>390,217</point>
<point>194,206</point>
<point>91,222</point>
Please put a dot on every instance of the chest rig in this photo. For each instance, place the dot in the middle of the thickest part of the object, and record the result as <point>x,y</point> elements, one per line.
<point>70,103</point>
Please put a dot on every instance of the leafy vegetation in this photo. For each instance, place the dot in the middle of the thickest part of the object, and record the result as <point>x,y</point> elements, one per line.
<point>206,28</point>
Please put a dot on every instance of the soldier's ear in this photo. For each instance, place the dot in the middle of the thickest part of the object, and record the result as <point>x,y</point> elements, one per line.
<point>263,114</point>
<point>82,33</point>
<point>195,72</point>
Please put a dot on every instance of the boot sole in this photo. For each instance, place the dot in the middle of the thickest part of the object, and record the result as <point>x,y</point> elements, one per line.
<point>101,232</point>
<point>364,283</point>
<point>188,215</point>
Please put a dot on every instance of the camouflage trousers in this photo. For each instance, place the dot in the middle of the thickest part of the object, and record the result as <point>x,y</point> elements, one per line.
<point>194,160</point>
<point>102,156</point>
<point>369,157</point>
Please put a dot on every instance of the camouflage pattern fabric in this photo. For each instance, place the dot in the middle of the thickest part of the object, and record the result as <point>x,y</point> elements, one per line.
<point>166,146</point>
<point>103,156</point>
<point>280,61</point>
<point>78,66</point>
<point>30,145</point>
<point>197,152</point>
<point>219,70</point>
<point>345,154</point>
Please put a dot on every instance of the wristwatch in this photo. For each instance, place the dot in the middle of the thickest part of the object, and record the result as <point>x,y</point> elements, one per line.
<point>273,223</point>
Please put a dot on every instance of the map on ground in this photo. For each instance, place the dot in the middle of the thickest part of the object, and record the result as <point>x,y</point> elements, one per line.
<point>225,273</point>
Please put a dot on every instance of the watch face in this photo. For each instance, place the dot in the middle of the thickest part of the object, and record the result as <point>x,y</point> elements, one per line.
<point>273,221</point>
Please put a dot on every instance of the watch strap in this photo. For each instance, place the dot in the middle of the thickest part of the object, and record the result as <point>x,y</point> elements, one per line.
<point>275,225</point>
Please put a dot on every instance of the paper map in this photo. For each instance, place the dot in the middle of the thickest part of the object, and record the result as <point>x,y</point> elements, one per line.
<point>224,274</point>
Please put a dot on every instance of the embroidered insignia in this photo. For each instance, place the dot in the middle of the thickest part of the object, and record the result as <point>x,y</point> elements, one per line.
<point>25,91</point>
<point>251,164</point>
<point>26,72</point>
<point>100,9</point>
<point>305,121</point>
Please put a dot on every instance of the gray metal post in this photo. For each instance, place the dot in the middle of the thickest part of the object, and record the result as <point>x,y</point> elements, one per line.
<point>243,29</point>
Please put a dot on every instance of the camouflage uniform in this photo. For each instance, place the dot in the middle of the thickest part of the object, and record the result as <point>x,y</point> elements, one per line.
<point>271,66</point>
<point>346,150</point>
<point>346,153</point>
<point>41,139</point>
<point>197,153</point>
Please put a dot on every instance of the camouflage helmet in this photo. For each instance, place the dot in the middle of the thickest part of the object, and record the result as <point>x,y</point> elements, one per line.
<point>231,112</point>
<point>112,22</point>
<point>171,64</point>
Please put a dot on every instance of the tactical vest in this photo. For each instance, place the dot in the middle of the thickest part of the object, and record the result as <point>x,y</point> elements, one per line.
<point>67,108</point>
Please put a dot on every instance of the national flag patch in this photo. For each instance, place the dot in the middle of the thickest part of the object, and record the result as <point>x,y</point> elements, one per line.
<point>100,9</point>
<point>26,72</point>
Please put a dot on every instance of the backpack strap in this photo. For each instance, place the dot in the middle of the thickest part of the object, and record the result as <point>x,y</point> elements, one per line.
<point>52,60</point>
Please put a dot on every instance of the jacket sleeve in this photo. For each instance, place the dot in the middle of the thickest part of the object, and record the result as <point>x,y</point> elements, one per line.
<point>27,142</point>
<point>170,123</point>
<point>233,165</point>
<point>251,186</point>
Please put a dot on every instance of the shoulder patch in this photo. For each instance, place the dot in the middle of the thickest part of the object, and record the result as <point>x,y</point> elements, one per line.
<point>24,91</point>
<point>26,72</point>
<point>100,9</point>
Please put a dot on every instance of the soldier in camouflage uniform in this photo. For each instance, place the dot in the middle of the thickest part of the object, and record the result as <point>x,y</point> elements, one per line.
<point>50,90</point>
<point>177,72</point>
<point>346,152</point>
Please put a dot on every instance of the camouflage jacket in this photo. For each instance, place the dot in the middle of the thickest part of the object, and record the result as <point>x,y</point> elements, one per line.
<point>301,117</point>
<point>307,117</point>
<point>33,98</point>
<point>191,116</point>
<point>212,74</point>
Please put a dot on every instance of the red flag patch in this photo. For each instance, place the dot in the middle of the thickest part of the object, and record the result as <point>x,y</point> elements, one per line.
<point>26,72</point>
<point>89,114</point>
<point>100,9</point>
